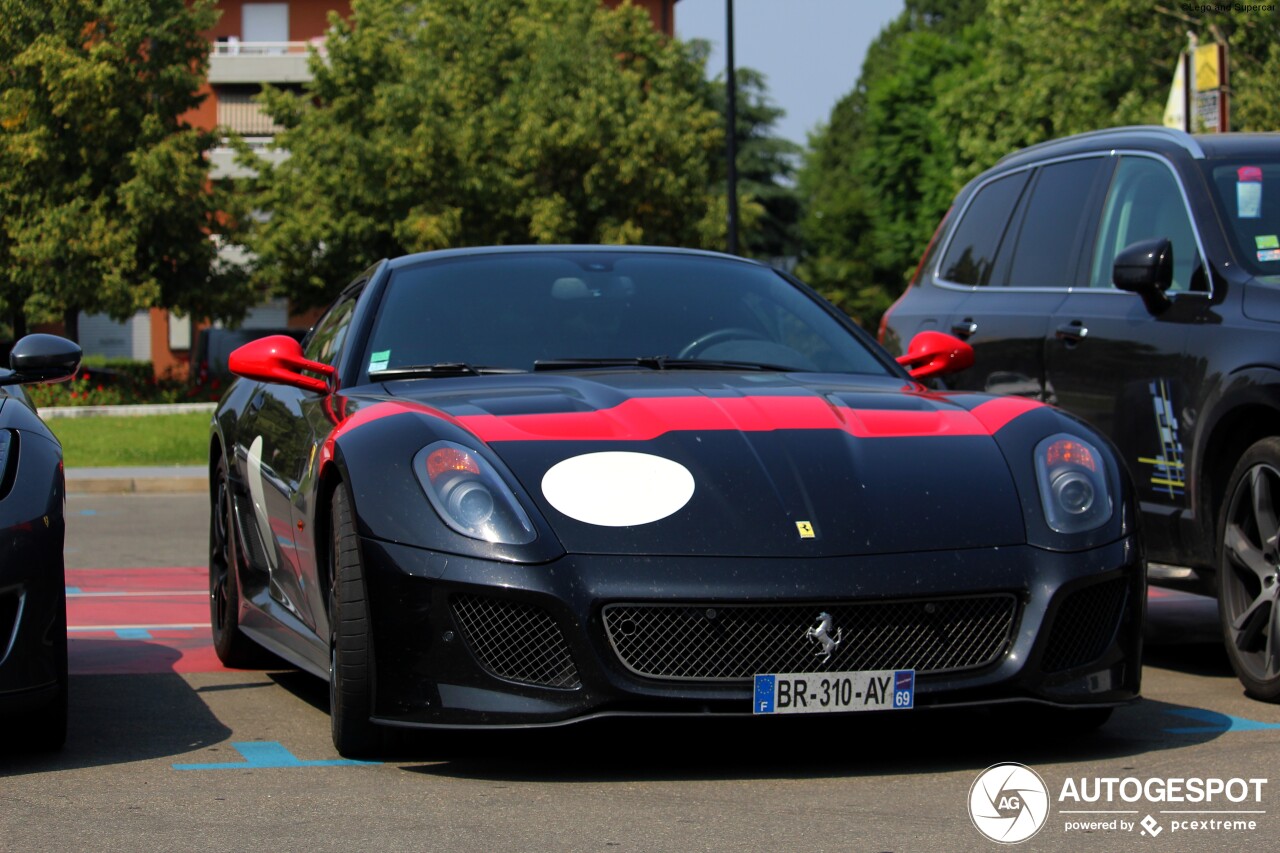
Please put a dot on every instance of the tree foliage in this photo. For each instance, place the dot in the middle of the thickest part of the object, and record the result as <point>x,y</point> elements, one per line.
<point>443,123</point>
<point>948,89</point>
<point>105,204</point>
<point>881,168</point>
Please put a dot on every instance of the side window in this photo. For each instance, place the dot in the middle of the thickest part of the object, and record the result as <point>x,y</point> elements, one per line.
<point>331,331</point>
<point>974,249</point>
<point>1048,246</point>
<point>1145,201</point>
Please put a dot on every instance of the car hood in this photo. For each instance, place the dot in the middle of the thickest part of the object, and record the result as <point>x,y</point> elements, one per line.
<point>684,463</point>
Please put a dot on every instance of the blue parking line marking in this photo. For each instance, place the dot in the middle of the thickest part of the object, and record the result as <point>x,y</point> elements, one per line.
<point>73,590</point>
<point>133,634</point>
<point>1217,722</point>
<point>260,755</point>
<point>88,512</point>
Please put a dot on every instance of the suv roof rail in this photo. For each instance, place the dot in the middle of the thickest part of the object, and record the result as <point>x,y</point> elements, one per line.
<point>1151,132</point>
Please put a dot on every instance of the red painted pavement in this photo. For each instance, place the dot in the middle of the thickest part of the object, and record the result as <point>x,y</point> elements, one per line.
<point>150,620</point>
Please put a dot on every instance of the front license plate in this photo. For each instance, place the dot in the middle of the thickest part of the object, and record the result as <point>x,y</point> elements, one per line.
<point>834,692</point>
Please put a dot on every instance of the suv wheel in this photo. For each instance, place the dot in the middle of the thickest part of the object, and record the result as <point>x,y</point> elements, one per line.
<point>1249,570</point>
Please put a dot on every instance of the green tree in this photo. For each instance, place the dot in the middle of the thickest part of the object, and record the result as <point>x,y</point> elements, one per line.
<point>1049,68</point>
<point>949,88</point>
<point>105,203</point>
<point>879,174</point>
<point>441,123</point>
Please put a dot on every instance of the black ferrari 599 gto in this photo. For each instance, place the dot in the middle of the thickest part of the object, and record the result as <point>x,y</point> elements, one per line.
<point>33,601</point>
<point>530,486</point>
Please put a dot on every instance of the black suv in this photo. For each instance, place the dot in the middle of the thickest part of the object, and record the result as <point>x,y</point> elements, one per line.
<point>1132,277</point>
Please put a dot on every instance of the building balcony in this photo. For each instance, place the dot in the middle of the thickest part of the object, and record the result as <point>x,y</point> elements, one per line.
<point>233,61</point>
<point>223,165</point>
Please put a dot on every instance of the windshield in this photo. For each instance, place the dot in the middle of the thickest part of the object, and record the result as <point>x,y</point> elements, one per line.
<point>546,310</point>
<point>1248,197</point>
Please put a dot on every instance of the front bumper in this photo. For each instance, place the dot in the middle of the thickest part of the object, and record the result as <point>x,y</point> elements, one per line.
<point>466,642</point>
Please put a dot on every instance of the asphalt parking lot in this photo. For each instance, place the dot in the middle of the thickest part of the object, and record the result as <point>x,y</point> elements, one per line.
<point>167,750</point>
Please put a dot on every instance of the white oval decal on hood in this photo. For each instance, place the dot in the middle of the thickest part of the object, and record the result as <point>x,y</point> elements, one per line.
<point>617,488</point>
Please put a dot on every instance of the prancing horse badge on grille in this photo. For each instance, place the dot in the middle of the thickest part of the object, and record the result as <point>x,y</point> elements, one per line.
<point>822,633</point>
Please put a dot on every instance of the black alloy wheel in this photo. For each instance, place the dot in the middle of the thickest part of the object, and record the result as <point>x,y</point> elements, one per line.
<point>350,641</point>
<point>233,648</point>
<point>1249,570</point>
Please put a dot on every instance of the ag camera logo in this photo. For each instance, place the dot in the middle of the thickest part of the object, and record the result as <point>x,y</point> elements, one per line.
<point>1008,803</point>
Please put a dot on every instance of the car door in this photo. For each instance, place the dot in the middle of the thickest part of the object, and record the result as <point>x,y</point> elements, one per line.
<point>1006,319</point>
<point>1112,361</point>
<point>276,445</point>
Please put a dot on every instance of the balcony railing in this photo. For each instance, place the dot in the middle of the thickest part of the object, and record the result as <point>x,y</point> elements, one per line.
<point>222,158</point>
<point>235,47</point>
<point>234,61</point>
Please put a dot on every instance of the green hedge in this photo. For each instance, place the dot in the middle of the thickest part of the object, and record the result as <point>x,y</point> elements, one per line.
<point>118,381</point>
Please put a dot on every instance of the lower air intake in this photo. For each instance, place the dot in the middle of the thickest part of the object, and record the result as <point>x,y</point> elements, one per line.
<point>518,642</point>
<point>1085,625</point>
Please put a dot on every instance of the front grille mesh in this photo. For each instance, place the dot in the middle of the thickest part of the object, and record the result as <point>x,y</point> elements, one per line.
<point>1085,625</point>
<point>515,641</point>
<point>735,642</point>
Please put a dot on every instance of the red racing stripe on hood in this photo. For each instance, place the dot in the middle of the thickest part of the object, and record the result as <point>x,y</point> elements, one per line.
<point>646,418</point>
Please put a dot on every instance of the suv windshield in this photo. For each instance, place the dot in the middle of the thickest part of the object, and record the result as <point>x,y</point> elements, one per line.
<point>1247,194</point>
<point>602,310</point>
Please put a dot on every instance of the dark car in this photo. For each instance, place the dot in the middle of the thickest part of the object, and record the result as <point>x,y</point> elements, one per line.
<point>33,601</point>
<point>529,486</point>
<point>1132,277</point>
<point>214,346</point>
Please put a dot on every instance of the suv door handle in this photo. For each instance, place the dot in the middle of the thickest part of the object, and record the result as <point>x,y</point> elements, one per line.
<point>1073,332</point>
<point>965,328</point>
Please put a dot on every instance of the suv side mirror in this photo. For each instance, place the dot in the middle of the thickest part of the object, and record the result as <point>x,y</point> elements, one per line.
<point>279,359</point>
<point>41,359</point>
<point>936,354</point>
<point>1146,268</point>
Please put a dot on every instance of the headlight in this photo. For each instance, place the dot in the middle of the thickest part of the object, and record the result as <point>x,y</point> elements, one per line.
<point>1073,484</point>
<point>470,496</point>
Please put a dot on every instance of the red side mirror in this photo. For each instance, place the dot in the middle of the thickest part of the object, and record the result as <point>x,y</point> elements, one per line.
<point>279,358</point>
<point>936,354</point>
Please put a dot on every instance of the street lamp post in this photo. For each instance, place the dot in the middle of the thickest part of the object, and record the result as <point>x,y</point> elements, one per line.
<point>731,134</point>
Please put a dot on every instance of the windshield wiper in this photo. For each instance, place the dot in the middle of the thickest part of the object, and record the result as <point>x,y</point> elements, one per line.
<point>441,368</point>
<point>653,362</point>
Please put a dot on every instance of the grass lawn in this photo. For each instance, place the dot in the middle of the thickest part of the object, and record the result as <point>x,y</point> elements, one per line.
<point>146,440</point>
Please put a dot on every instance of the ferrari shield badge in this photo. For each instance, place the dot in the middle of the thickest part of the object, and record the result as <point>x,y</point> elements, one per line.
<point>806,529</point>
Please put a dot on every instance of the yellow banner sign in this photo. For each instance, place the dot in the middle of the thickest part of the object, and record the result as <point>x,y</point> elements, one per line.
<point>1208,67</point>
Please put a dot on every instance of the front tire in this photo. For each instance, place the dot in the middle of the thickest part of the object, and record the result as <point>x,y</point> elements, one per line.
<point>233,648</point>
<point>350,643</point>
<point>1249,570</point>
